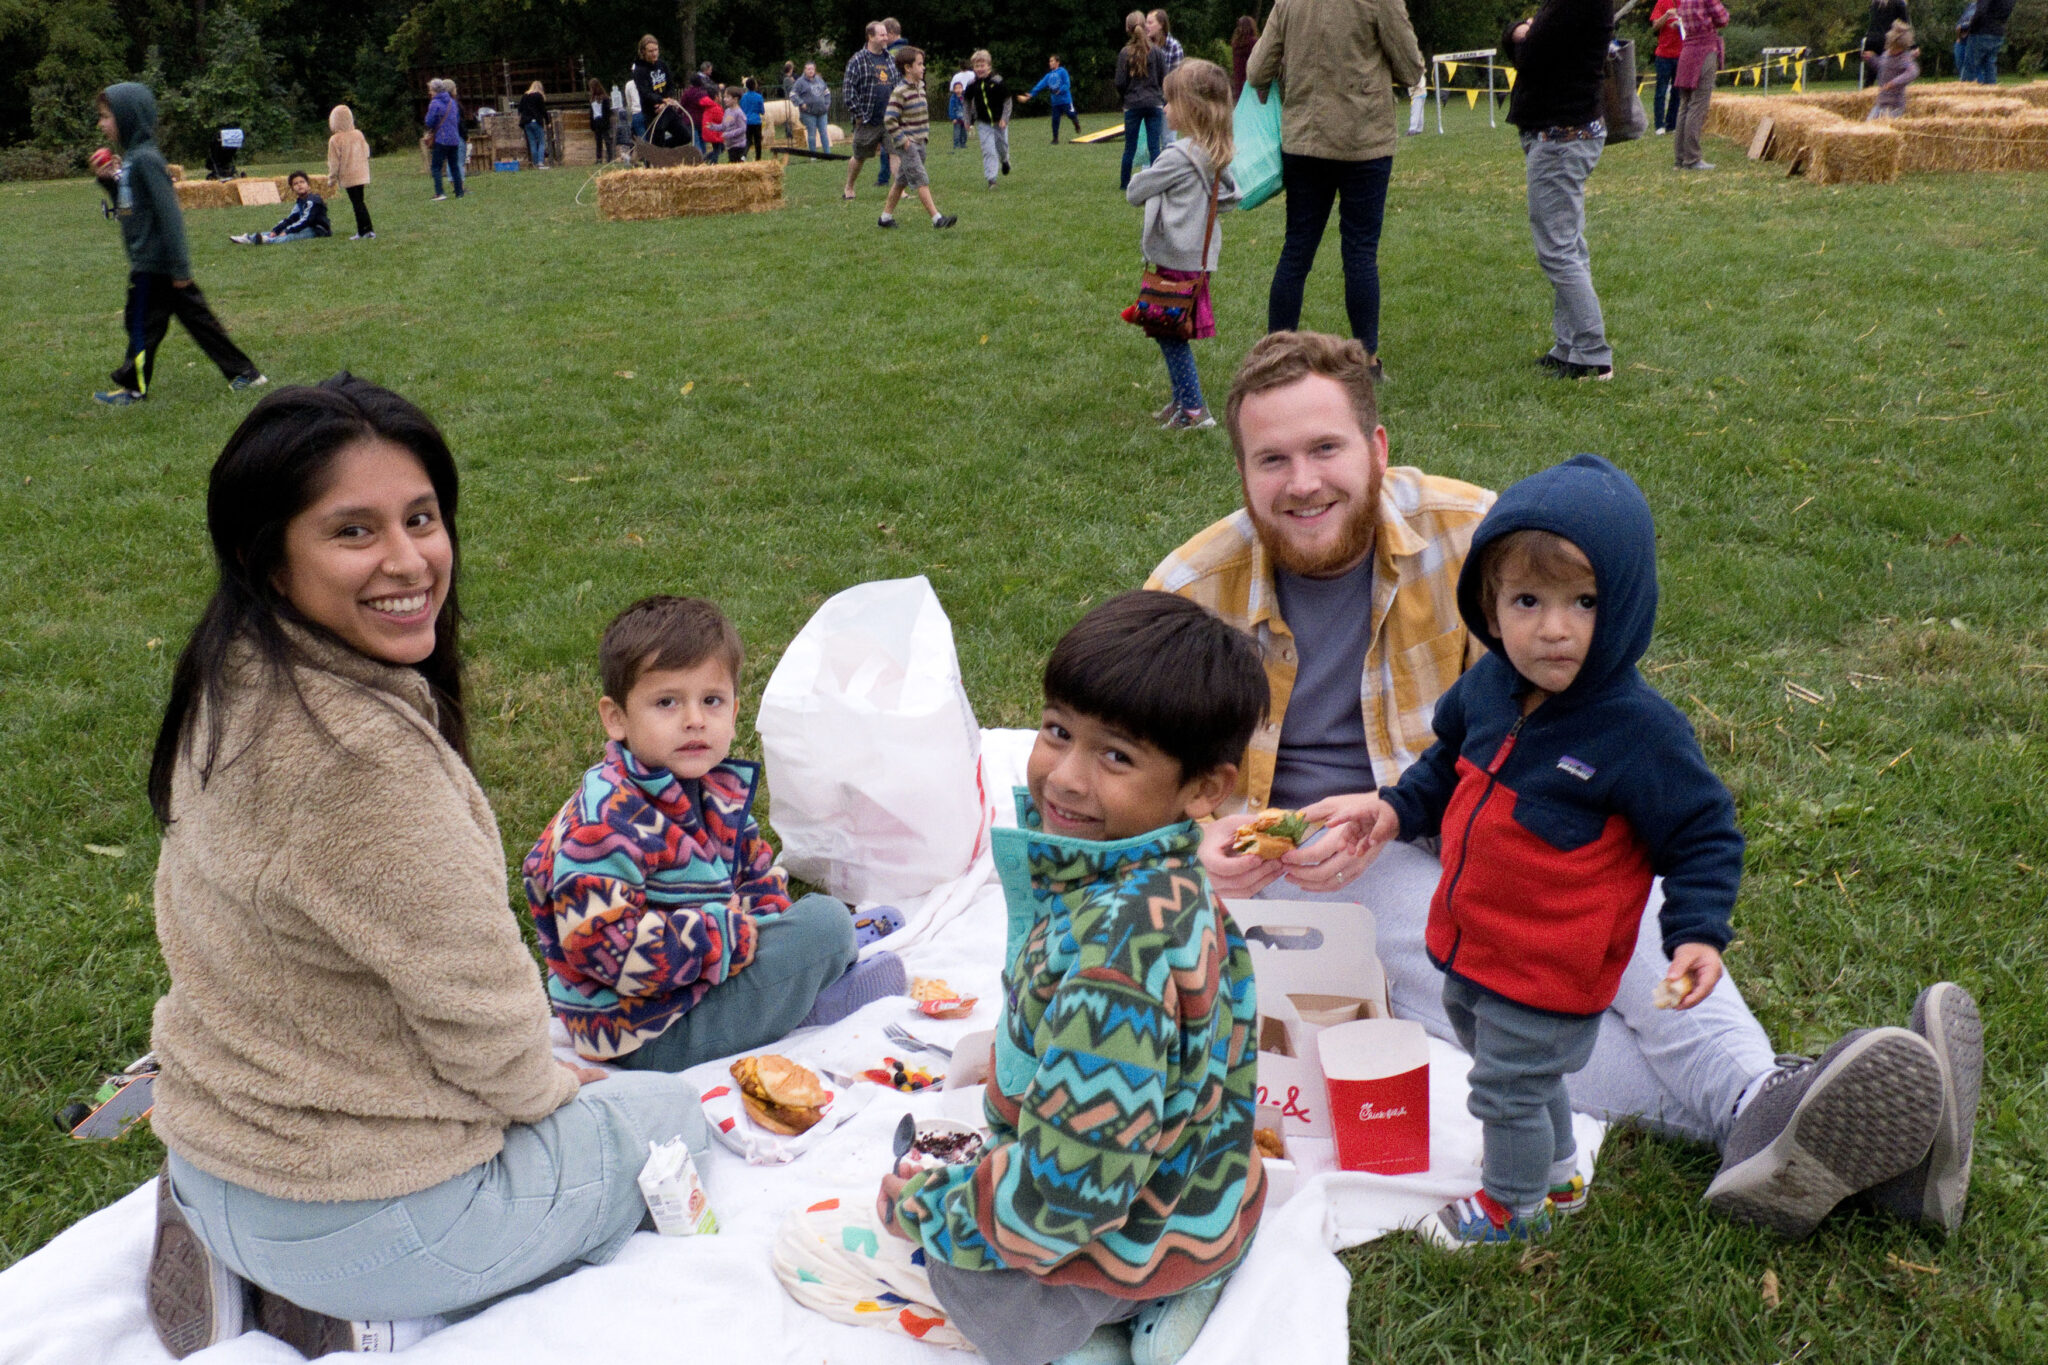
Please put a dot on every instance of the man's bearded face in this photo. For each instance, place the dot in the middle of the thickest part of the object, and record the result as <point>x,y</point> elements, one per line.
<point>1311,476</point>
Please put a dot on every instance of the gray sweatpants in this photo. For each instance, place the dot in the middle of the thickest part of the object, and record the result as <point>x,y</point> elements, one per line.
<point>1520,1058</point>
<point>995,149</point>
<point>1557,219</point>
<point>1692,122</point>
<point>1678,1072</point>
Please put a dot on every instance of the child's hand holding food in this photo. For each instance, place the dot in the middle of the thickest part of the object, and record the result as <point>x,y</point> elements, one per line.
<point>1695,967</point>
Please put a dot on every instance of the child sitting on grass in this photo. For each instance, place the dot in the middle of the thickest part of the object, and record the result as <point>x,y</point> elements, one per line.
<point>1560,783</point>
<point>1119,1186</point>
<point>668,931</point>
<point>308,217</point>
<point>907,126</point>
<point>1182,192</point>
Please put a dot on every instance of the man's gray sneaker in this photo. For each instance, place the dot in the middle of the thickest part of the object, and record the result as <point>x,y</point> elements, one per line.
<point>1819,1131</point>
<point>1933,1191</point>
<point>194,1301</point>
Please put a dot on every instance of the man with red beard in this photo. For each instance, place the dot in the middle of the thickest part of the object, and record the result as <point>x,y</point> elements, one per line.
<point>1346,573</point>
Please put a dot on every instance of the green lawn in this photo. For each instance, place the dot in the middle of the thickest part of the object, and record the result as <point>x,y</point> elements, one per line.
<point>1830,396</point>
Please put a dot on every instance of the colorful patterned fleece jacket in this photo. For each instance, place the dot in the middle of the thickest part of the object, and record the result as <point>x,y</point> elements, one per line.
<point>631,888</point>
<point>1121,1092</point>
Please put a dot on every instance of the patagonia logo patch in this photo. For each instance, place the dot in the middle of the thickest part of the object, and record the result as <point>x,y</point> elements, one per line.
<point>1582,771</point>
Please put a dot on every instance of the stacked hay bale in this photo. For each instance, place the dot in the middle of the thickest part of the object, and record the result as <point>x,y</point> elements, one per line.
<point>1850,104</point>
<point>1857,154</point>
<point>2035,94</point>
<point>225,194</point>
<point>1951,143</point>
<point>626,196</point>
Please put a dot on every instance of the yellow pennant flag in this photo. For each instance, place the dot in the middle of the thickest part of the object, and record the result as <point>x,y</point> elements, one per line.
<point>1511,77</point>
<point>1471,99</point>
<point>1450,71</point>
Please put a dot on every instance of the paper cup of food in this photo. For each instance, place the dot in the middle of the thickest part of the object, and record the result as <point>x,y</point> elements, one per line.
<point>945,1142</point>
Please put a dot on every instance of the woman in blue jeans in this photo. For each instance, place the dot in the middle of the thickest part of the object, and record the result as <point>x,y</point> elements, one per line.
<point>1141,79</point>
<point>444,131</point>
<point>533,121</point>
<point>367,1128</point>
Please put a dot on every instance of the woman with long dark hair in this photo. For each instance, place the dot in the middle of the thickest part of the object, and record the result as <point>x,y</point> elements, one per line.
<point>364,1118</point>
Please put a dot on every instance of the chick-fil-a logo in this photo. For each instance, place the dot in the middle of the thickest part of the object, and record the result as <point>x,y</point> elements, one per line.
<point>1289,1107</point>
<point>1366,1113</point>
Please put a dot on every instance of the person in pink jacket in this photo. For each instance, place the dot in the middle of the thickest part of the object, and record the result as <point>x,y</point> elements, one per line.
<point>1699,59</point>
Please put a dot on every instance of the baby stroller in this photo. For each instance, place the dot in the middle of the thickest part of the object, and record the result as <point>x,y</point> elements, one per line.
<point>220,158</point>
<point>671,140</point>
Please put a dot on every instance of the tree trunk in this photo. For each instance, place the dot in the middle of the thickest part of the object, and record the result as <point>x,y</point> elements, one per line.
<point>686,11</point>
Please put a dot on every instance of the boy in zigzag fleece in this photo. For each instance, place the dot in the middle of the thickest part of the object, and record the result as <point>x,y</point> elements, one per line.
<point>1119,1186</point>
<point>668,930</point>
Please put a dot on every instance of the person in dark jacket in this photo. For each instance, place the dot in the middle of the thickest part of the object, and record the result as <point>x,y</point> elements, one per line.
<point>444,132</point>
<point>659,105</point>
<point>533,121</point>
<point>1985,37</point>
<point>1141,80</point>
<point>601,120</point>
<point>1560,58</point>
<point>308,217</point>
<point>160,284</point>
<point>1883,14</point>
<point>1560,784</point>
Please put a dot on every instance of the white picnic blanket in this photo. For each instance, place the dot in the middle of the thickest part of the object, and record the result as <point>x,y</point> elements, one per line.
<point>714,1300</point>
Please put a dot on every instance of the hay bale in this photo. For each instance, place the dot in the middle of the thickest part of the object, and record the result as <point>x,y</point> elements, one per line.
<point>1951,143</point>
<point>1950,103</point>
<point>626,196</point>
<point>177,171</point>
<point>2035,94</point>
<point>222,194</point>
<point>1737,118</point>
<point>1856,154</point>
<point>1849,104</point>
<point>1798,129</point>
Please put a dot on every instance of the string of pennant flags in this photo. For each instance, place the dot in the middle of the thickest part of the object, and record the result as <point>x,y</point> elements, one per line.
<point>1754,74</point>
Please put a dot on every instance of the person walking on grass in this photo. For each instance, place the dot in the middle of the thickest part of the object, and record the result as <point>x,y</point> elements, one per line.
<point>444,127</point>
<point>1699,61</point>
<point>870,79</point>
<point>348,166</point>
<point>1140,78</point>
<point>1560,61</point>
<point>813,100</point>
<point>160,284</point>
<point>1335,66</point>
<point>892,40</point>
<point>1059,88</point>
<point>533,121</point>
<point>908,123</point>
<point>987,101</point>
<point>1182,193</point>
<point>753,106</point>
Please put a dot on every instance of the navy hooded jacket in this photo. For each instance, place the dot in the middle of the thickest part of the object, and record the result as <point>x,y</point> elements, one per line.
<point>1553,824</point>
<point>152,227</point>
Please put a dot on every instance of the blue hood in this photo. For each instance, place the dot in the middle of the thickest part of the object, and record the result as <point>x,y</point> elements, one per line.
<point>1598,508</point>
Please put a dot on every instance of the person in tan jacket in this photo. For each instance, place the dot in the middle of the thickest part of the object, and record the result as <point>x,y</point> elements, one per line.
<point>1335,63</point>
<point>348,165</point>
<point>364,1117</point>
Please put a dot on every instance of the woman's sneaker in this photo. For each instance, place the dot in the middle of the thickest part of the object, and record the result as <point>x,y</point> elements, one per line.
<point>1481,1218</point>
<point>194,1301</point>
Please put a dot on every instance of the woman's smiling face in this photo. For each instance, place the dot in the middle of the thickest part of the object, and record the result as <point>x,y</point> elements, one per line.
<point>369,557</point>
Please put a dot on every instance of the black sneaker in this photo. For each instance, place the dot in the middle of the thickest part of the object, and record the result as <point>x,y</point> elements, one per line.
<point>252,380</point>
<point>1819,1131</point>
<point>315,1335</point>
<point>1933,1191</point>
<point>194,1301</point>
<point>1006,168</point>
<point>1554,364</point>
<point>885,221</point>
<point>1573,370</point>
<point>944,220</point>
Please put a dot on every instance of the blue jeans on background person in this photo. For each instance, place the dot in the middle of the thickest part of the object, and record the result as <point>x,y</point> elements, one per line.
<point>536,144</point>
<point>1153,121</point>
<point>639,125</point>
<point>1557,174</point>
<point>450,157</point>
<point>1980,52</point>
<point>1666,109</point>
<point>563,1193</point>
<point>1359,189</point>
<point>815,136</point>
<point>272,238</point>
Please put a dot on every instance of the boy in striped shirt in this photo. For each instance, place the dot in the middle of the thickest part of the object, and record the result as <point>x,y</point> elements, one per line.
<point>908,126</point>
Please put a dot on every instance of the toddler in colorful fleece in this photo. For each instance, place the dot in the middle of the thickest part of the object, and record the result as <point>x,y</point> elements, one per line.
<point>1119,1186</point>
<point>668,930</point>
<point>1560,784</point>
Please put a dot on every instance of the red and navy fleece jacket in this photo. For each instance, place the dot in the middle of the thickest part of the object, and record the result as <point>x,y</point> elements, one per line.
<point>1554,823</point>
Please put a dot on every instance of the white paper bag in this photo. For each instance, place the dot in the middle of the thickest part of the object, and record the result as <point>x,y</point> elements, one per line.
<point>873,754</point>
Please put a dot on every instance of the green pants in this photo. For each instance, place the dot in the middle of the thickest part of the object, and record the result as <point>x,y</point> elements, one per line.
<point>801,951</point>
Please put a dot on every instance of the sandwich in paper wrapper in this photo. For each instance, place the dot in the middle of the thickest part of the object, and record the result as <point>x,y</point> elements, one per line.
<point>774,1110</point>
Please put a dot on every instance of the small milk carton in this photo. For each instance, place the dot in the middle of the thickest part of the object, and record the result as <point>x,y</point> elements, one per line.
<point>675,1192</point>
<point>1376,1073</point>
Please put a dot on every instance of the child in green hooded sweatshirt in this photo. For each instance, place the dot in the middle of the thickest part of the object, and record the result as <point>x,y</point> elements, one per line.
<point>159,270</point>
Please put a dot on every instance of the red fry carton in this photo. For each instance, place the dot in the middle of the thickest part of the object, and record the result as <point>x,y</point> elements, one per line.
<point>1376,1073</point>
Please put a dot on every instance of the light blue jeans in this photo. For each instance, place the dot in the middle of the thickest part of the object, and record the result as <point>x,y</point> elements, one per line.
<point>816,139</point>
<point>1678,1072</point>
<point>563,1193</point>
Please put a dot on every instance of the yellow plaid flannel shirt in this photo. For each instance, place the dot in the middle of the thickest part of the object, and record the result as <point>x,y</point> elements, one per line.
<point>1419,642</point>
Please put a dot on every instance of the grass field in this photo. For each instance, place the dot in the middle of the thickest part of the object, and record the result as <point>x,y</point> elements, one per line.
<point>1831,397</point>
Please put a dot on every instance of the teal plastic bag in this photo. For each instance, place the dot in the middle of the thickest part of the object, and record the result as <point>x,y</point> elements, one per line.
<point>1256,128</point>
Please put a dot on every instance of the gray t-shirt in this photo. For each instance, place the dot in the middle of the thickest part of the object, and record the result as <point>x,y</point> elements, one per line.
<point>1322,736</point>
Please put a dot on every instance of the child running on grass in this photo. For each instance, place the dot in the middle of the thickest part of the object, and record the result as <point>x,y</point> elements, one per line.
<point>1059,88</point>
<point>308,217</point>
<point>160,283</point>
<point>1897,68</point>
<point>668,930</point>
<point>907,126</point>
<point>1182,192</point>
<point>987,100</point>
<point>1560,783</point>
<point>1119,1186</point>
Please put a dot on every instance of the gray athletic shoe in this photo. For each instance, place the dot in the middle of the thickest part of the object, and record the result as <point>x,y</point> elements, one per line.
<point>1819,1131</point>
<point>194,1301</point>
<point>1933,1191</point>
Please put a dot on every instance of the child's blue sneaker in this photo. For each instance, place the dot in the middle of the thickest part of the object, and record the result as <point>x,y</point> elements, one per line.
<point>1481,1218</point>
<point>865,982</point>
<point>1110,1344</point>
<point>118,398</point>
<point>1165,1329</point>
<point>875,923</point>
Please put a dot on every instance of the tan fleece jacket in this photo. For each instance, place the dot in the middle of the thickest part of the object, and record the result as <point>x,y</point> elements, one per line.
<point>352,1013</point>
<point>348,151</point>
